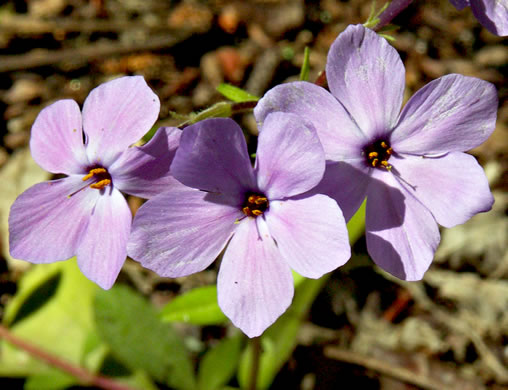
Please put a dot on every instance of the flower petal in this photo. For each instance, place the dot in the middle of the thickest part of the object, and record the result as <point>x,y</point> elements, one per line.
<point>452,187</point>
<point>255,285</point>
<point>453,113</point>
<point>213,157</point>
<point>56,140</point>
<point>46,225</point>
<point>144,171</point>
<point>340,136</point>
<point>493,15</point>
<point>103,248</point>
<point>402,235</point>
<point>289,159</point>
<point>311,234</point>
<point>460,4</point>
<point>182,231</point>
<point>367,76</point>
<point>346,183</point>
<point>117,114</point>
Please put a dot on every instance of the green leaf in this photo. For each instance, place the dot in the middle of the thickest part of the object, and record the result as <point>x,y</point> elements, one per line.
<point>198,306</point>
<point>131,327</point>
<point>219,364</point>
<point>61,326</point>
<point>356,225</point>
<point>304,72</point>
<point>236,94</point>
<point>54,380</point>
<point>27,286</point>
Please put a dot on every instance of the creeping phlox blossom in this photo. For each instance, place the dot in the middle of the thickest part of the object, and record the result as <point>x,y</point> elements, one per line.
<point>270,225</point>
<point>492,14</point>
<point>85,214</point>
<point>411,164</point>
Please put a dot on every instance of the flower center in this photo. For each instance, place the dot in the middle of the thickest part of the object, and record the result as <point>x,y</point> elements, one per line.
<point>100,176</point>
<point>255,205</point>
<point>378,154</point>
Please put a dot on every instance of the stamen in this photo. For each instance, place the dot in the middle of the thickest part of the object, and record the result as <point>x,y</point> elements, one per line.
<point>261,200</point>
<point>101,184</point>
<point>255,205</point>
<point>93,172</point>
<point>377,154</point>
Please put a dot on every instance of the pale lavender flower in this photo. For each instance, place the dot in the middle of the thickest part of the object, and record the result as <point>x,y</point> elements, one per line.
<point>410,164</point>
<point>492,14</point>
<point>85,214</point>
<point>270,227</point>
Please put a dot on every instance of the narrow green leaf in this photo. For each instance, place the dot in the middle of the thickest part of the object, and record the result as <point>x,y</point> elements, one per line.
<point>304,72</point>
<point>131,327</point>
<point>356,225</point>
<point>219,364</point>
<point>198,306</point>
<point>236,94</point>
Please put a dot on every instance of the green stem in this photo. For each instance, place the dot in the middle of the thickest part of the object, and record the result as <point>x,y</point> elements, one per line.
<point>256,356</point>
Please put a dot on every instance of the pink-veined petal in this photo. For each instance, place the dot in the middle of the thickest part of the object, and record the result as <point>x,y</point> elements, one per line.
<point>117,114</point>
<point>290,159</point>
<point>367,76</point>
<point>310,233</point>
<point>213,156</point>
<point>452,187</point>
<point>56,140</point>
<point>46,225</point>
<point>144,171</point>
<point>402,235</point>
<point>103,248</point>
<point>255,285</point>
<point>340,136</point>
<point>183,230</point>
<point>492,14</point>
<point>453,113</point>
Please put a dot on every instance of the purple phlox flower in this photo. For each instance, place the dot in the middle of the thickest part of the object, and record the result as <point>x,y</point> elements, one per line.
<point>492,14</point>
<point>270,227</point>
<point>410,164</point>
<point>85,214</point>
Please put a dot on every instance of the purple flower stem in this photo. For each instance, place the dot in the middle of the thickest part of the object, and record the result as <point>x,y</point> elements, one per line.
<point>84,376</point>
<point>395,8</point>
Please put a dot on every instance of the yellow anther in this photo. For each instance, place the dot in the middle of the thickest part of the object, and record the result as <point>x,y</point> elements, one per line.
<point>257,212</point>
<point>252,199</point>
<point>385,164</point>
<point>384,145</point>
<point>374,162</point>
<point>246,210</point>
<point>101,184</point>
<point>389,151</point>
<point>260,200</point>
<point>373,154</point>
<point>94,172</point>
